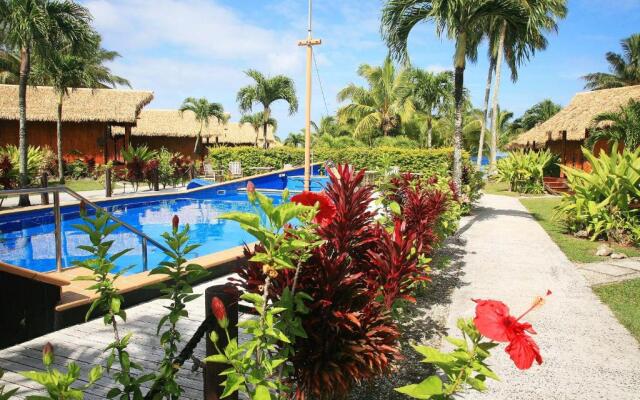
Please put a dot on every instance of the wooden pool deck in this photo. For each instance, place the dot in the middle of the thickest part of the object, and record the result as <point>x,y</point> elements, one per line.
<point>84,343</point>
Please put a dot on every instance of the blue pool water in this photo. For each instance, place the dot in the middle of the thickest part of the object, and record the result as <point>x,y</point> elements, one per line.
<point>316,183</point>
<point>27,238</point>
<point>29,242</point>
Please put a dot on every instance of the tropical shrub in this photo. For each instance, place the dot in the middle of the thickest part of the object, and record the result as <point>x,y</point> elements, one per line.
<point>400,141</point>
<point>76,169</point>
<point>605,202</point>
<point>136,158</point>
<point>524,171</point>
<point>36,160</point>
<point>166,169</point>
<point>621,126</point>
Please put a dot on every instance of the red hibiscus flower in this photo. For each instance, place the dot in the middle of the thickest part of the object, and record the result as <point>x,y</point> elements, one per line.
<point>494,321</point>
<point>326,209</point>
<point>220,312</point>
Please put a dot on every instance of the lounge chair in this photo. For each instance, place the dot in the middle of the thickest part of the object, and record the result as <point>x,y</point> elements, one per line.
<point>235,169</point>
<point>209,172</point>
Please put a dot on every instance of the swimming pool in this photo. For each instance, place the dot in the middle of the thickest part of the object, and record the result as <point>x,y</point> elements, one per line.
<point>27,238</point>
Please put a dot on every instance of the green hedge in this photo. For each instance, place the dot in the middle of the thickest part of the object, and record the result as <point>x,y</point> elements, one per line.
<point>427,161</point>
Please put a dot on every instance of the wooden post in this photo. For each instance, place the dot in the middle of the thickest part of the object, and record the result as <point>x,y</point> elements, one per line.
<point>156,179</point>
<point>308,43</point>
<point>107,182</point>
<point>127,136</point>
<point>105,150</point>
<point>212,377</point>
<point>44,182</point>
<point>564,150</point>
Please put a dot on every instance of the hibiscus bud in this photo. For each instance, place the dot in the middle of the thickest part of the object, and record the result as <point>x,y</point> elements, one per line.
<point>251,191</point>
<point>47,354</point>
<point>175,222</point>
<point>214,337</point>
<point>220,312</point>
<point>251,188</point>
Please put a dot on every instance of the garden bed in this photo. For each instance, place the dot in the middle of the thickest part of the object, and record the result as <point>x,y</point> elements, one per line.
<point>576,249</point>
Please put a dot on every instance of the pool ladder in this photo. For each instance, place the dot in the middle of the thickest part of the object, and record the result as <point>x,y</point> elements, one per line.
<point>57,217</point>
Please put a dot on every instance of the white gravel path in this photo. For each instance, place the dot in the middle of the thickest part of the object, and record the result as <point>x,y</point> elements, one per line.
<point>587,353</point>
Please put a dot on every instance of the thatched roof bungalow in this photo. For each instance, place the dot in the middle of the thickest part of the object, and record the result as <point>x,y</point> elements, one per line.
<point>565,132</point>
<point>88,116</point>
<point>177,131</point>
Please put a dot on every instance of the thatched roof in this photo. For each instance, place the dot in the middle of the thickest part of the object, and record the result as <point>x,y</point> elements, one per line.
<point>576,117</point>
<point>81,105</point>
<point>172,123</point>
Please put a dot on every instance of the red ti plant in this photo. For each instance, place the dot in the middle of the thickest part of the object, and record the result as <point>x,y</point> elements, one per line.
<point>351,336</point>
<point>397,264</point>
<point>421,207</point>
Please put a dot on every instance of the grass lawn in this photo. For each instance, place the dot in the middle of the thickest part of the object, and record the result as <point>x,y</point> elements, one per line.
<point>502,189</point>
<point>624,300</point>
<point>80,184</point>
<point>576,249</point>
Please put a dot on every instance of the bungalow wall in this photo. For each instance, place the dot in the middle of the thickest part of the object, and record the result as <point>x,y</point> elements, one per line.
<point>86,138</point>
<point>183,145</point>
<point>570,152</point>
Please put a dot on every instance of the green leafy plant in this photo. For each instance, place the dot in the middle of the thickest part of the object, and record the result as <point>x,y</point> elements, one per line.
<point>605,201</point>
<point>77,169</point>
<point>524,170</point>
<point>179,291</point>
<point>6,395</point>
<point>464,366</point>
<point>258,367</point>
<point>109,301</point>
<point>60,385</point>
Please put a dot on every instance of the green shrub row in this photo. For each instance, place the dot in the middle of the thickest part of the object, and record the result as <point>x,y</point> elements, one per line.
<point>524,171</point>
<point>606,201</point>
<point>426,161</point>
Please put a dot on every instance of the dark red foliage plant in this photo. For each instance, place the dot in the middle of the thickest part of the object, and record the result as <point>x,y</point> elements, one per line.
<point>7,177</point>
<point>421,207</point>
<point>351,336</point>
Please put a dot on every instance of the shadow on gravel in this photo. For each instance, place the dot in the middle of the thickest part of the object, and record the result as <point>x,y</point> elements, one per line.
<point>422,323</point>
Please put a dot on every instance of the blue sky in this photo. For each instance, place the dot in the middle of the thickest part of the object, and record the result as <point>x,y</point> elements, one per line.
<point>181,48</point>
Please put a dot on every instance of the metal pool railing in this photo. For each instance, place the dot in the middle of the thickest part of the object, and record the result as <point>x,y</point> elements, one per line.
<point>57,217</point>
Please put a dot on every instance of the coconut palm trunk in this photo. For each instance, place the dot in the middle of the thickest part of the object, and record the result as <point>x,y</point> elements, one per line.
<point>457,135</point>
<point>429,129</point>
<point>494,109</point>
<point>25,59</point>
<point>485,111</point>
<point>266,116</point>
<point>59,139</point>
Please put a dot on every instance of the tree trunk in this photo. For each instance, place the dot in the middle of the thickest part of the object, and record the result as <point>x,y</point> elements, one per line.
<point>429,130</point>
<point>265,144</point>
<point>457,135</point>
<point>485,111</point>
<point>25,58</point>
<point>59,140</point>
<point>196,147</point>
<point>257,135</point>
<point>494,109</point>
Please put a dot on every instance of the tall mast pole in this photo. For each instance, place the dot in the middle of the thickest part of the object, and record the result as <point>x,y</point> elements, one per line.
<point>309,43</point>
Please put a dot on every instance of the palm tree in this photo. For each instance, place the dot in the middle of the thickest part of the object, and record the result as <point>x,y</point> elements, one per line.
<point>461,21</point>
<point>266,91</point>
<point>520,42</point>
<point>625,67</point>
<point>431,92</point>
<point>203,111</point>
<point>295,139</point>
<point>621,126</point>
<point>257,121</point>
<point>378,107</point>
<point>537,114</point>
<point>9,67</point>
<point>33,27</point>
<point>65,71</point>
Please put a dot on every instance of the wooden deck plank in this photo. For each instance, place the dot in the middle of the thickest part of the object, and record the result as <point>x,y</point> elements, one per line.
<point>85,343</point>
